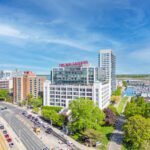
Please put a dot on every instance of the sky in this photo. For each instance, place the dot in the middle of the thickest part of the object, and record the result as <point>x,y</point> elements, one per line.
<point>37,35</point>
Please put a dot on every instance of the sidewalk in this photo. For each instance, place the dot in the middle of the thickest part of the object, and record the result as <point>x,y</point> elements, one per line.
<point>18,145</point>
<point>3,144</point>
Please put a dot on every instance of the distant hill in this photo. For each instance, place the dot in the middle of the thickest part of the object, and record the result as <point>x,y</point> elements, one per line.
<point>137,76</point>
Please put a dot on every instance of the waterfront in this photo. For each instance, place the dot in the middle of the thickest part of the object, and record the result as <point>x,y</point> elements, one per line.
<point>129,91</point>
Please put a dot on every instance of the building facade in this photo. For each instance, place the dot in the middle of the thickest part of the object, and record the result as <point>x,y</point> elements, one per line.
<point>6,85</point>
<point>76,80</point>
<point>62,95</point>
<point>107,61</point>
<point>80,73</point>
<point>27,84</point>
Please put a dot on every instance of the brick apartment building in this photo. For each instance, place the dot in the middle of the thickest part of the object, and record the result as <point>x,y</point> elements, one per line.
<point>27,84</point>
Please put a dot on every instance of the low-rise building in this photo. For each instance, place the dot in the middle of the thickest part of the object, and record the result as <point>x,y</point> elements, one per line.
<point>6,85</point>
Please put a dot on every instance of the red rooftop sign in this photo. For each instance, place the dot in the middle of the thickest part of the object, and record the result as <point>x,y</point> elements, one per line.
<point>74,64</point>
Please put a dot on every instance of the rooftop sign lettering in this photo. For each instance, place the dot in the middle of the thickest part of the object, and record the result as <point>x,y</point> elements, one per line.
<point>74,64</point>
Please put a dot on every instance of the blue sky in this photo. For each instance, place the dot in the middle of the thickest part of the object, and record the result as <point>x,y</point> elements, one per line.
<point>39,34</point>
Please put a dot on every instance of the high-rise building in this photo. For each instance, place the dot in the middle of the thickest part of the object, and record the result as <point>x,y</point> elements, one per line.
<point>107,61</point>
<point>27,84</point>
<point>74,80</point>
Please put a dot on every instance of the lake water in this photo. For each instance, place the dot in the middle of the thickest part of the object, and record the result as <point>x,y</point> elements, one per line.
<point>129,91</point>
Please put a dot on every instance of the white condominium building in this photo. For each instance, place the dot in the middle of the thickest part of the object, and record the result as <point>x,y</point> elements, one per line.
<point>107,61</point>
<point>61,95</point>
<point>74,80</point>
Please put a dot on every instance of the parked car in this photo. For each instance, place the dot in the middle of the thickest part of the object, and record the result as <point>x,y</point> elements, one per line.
<point>6,136</point>
<point>49,130</point>
<point>44,125</point>
<point>29,116</point>
<point>24,112</point>
<point>9,140</point>
<point>4,132</point>
<point>11,144</point>
<point>45,148</point>
<point>1,126</point>
<point>32,119</point>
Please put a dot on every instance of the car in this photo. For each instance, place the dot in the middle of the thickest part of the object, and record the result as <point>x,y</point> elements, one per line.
<point>38,124</point>
<point>1,126</point>
<point>24,112</point>
<point>4,108</point>
<point>49,130</point>
<point>29,116</point>
<point>36,119</point>
<point>6,136</point>
<point>44,125</point>
<point>11,144</point>
<point>32,119</point>
<point>4,132</point>
<point>46,148</point>
<point>9,140</point>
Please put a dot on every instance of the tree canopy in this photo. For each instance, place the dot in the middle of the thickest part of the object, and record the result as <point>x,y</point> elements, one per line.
<point>110,118</point>
<point>51,113</point>
<point>137,132</point>
<point>137,106</point>
<point>3,94</point>
<point>85,115</point>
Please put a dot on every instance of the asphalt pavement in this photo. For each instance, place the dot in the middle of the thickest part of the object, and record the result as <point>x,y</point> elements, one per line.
<point>31,141</point>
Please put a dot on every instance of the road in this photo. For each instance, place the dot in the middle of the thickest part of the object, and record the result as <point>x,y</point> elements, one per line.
<point>50,140</point>
<point>31,141</point>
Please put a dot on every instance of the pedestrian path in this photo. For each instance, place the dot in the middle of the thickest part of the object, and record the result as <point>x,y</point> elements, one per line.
<point>117,136</point>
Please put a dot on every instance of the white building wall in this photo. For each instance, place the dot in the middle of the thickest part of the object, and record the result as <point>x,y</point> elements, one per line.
<point>61,95</point>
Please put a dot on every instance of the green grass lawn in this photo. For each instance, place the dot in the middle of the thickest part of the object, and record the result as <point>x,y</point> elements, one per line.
<point>106,131</point>
<point>121,104</point>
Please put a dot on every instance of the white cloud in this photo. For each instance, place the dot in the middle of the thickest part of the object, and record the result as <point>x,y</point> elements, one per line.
<point>142,55</point>
<point>6,30</point>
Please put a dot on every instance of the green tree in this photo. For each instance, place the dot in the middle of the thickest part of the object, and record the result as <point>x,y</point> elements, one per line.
<point>92,135</point>
<point>124,83</point>
<point>147,110</point>
<point>114,109</point>
<point>36,109</point>
<point>3,94</point>
<point>35,102</point>
<point>117,92</point>
<point>137,106</point>
<point>137,132</point>
<point>51,114</point>
<point>85,115</point>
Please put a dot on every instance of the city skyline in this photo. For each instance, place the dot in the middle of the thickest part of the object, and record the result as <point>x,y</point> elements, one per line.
<point>37,35</point>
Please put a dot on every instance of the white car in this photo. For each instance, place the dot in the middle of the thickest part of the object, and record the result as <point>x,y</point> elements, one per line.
<point>45,125</point>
